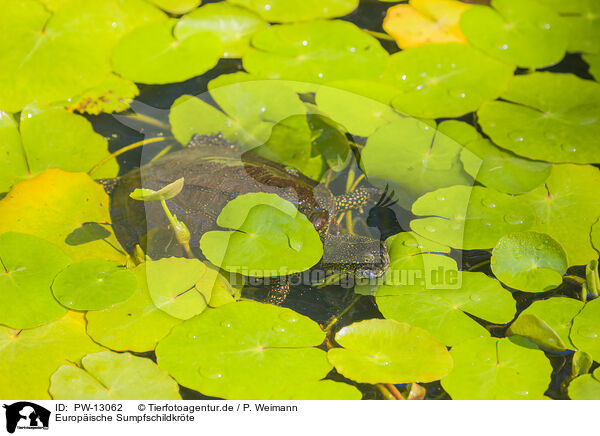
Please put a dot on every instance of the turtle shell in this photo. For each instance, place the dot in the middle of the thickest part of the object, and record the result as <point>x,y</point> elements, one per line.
<point>214,175</point>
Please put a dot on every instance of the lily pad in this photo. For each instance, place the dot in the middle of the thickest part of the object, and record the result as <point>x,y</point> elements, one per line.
<point>547,323</point>
<point>427,160</point>
<point>71,47</point>
<point>180,287</point>
<point>272,237</point>
<point>113,376</point>
<point>56,206</point>
<point>492,166</point>
<point>595,235</point>
<point>28,266</point>
<point>594,62</point>
<point>497,369</point>
<point>152,54</point>
<point>529,261</point>
<point>443,312</point>
<point>470,217</point>
<point>13,166</point>
<point>318,51</point>
<point>424,22</point>
<point>176,7</point>
<point>113,95</point>
<point>386,351</point>
<point>445,80</point>
<point>283,11</point>
<point>566,207</point>
<point>135,324</point>
<point>586,387</point>
<point>546,116</point>
<point>245,350</point>
<point>524,33</point>
<point>585,332</point>
<point>233,25</point>
<point>93,284</point>
<point>29,357</point>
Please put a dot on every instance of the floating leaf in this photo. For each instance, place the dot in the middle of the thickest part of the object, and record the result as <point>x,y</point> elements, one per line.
<point>93,284</point>
<point>492,166</point>
<point>166,193</point>
<point>13,165</point>
<point>113,95</point>
<point>442,312</point>
<point>113,376</point>
<point>180,287</point>
<point>318,51</point>
<point>386,351</point>
<point>29,265</point>
<point>245,350</point>
<point>470,217</point>
<point>547,116</point>
<point>29,357</point>
<point>497,369</point>
<point>176,7</point>
<point>136,324</point>
<point>50,58</point>
<point>566,207</point>
<point>586,387</point>
<point>585,332</point>
<point>524,33</point>
<point>151,54</point>
<point>427,160</point>
<point>595,235</point>
<point>272,237</point>
<point>548,322</point>
<point>594,62</point>
<point>425,21</point>
<point>445,80</point>
<point>232,24</point>
<point>581,364</point>
<point>529,261</point>
<point>56,206</point>
<point>282,11</point>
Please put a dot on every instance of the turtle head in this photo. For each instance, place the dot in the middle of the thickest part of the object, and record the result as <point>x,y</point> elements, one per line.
<point>365,257</point>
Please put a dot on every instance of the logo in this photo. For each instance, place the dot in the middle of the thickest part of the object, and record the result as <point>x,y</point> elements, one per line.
<point>26,415</point>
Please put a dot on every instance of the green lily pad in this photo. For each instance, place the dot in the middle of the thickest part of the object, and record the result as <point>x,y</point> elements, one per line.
<point>386,351</point>
<point>113,376</point>
<point>594,62</point>
<point>492,166</point>
<point>66,209</point>
<point>470,217</point>
<point>135,324</point>
<point>245,350</point>
<point>524,33</point>
<point>581,363</point>
<point>151,54</point>
<point>586,387</point>
<point>180,287</point>
<point>595,235</point>
<point>443,312</point>
<point>50,138</point>
<point>93,284</point>
<point>176,7</point>
<point>233,25</point>
<point>547,323</point>
<point>585,332</point>
<point>283,11</point>
<point>566,207</point>
<point>428,160</point>
<point>547,116</point>
<point>445,80</point>
<point>272,237</point>
<point>354,105</point>
<point>318,51</point>
<point>28,266</point>
<point>71,47</point>
<point>497,369</point>
<point>113,95</point>
<point>529,261</point>
<point>29,357</point>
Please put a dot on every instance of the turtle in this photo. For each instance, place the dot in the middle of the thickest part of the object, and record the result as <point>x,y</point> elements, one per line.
<point>215,172</point>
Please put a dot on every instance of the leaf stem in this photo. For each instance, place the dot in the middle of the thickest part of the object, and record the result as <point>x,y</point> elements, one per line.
<point>175,225</point>
<point>394,390</point>
<point>385,392</point>
<point>125,150</point>
<point>148,120</point>
<point>342,313</point>
<point>479,265</point>
<point>379,35</point>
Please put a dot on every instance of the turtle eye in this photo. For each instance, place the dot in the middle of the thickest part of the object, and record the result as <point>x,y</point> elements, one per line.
<point>320,220</point>
<point>368,258</point>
